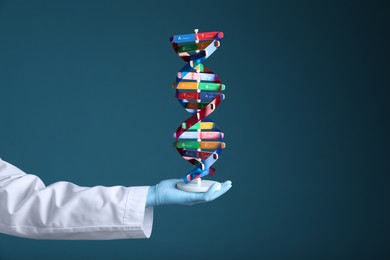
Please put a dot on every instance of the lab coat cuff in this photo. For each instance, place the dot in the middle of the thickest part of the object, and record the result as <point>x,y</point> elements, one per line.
<point>137,220</point>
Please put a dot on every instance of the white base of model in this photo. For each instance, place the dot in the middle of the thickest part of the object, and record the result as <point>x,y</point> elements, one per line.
<point>197,185</point>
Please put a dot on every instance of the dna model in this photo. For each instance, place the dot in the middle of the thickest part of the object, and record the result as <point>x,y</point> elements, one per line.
<point>198,140</point>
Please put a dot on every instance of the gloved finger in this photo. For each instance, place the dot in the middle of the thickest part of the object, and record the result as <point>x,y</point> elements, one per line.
<point>228,183</point>
<point>224,188</point>
<point>203,197</point>
<point>212,190</point>
<point>210,195</point>
<point>195,198</point>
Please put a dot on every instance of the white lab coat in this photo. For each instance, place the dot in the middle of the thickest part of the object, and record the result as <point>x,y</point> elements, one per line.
<point>64,210</point>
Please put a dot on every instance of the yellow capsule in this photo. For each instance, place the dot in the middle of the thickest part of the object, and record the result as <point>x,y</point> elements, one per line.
<point>187,85</point>
<point>211,145</point>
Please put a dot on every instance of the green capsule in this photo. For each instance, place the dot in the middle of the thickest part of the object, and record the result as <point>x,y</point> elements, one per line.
<point>210,86</point>
<point>188,144</point>
<point>188,47</point>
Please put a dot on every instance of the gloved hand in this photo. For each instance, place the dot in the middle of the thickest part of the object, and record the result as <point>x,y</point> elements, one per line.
<point>165,193</point>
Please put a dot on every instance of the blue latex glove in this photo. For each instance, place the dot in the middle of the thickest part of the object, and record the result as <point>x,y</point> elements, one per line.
<point>165,193</point>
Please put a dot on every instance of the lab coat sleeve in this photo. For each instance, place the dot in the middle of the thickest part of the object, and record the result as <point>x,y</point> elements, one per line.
<point>66,211</point>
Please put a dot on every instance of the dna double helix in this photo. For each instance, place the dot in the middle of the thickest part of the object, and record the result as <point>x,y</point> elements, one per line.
<point>199,91</point>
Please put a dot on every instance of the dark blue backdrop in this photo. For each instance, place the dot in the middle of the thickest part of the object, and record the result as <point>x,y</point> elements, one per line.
<point>85,90</point>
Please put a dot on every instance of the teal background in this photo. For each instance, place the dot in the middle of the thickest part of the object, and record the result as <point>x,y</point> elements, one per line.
<point>86,97</point>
